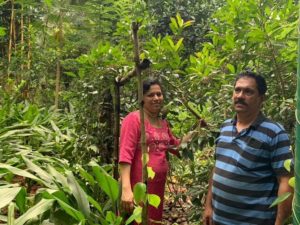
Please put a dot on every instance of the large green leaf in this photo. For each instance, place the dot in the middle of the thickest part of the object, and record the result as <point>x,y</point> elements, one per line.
<point>154,200</point>
<point>77,215</point>
<point>107,183</point>
<point>3,218</point>
<point>112,218</point>
<point>2,29</point>
<point>41,207</point>
<point>139,193</point>
<point>280,199</point>
<point>11,214</point>
<point>84,174</point>
<point>8,195</point>
<point>150,172</point>
<point>58,176</point>
<point>21,200</point>
<point>136,216</point>
<point>20,172</point>
<point>45,176</point>
<point>16,133</point>
<point>287,164</point>
<point>79,194</point>
<point>95,204</point>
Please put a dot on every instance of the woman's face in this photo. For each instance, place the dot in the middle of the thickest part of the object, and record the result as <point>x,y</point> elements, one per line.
<point>153,99</point>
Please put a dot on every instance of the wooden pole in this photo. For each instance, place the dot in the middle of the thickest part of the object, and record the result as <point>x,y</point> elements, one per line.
<point>117,103</point>
<point>11,31</point>
<point>296,203</point>
<point>135,28</point>
<point>58,63</point>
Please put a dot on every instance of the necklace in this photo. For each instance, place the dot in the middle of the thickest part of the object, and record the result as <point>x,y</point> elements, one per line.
<point>153,119</point>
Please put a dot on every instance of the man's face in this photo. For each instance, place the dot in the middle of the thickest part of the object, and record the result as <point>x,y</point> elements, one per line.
<point>246,98</point>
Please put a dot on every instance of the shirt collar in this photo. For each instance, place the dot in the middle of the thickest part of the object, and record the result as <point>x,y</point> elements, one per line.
<point>260,118</point>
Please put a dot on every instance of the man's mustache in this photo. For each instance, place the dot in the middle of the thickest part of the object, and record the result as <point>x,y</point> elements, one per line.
<point>240,101</point>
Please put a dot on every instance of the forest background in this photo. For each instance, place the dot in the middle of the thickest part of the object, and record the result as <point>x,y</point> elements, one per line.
<point>67,77</point>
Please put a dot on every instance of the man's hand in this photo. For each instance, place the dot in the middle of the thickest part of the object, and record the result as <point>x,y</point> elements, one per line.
<point>284,209</point>
<point>207,216</point>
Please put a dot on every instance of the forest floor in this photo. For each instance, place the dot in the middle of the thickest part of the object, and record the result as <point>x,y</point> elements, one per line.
<point>175,212</point>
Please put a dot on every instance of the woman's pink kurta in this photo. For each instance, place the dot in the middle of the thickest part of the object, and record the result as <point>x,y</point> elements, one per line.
<point>158,140</point>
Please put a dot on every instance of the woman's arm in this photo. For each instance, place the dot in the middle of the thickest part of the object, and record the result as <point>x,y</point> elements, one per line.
<point>127,194</point>
<point>130,132</point>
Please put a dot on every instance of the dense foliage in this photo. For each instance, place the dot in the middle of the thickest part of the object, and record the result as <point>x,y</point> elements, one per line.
<point>61,63</point>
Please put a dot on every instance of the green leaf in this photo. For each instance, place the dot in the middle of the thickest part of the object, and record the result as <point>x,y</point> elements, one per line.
<point>256,35</point>
<point>139,192</point>
<point>2,31</point>
<point>107,183</point>
<point>48,180</point>
<point>178,44</point>
<point>79,194</point>
<point>154,200</point>
<point>70,74</point>
<point>287,165</point>
<point>188,23</point>
<point>230,41</point>
<point>194,108</point>
<point>3,218</point>
<point>174,23</point>
<point>46,222</point>
<point>21,200</point>
<point>179,20</point>
<point>58,176</point>
<point>280,199</point>
<point>8,195</point>
<point>11,214</point>
<point>136,216</point>
<point>95,204</point>
<point>150,172</point>
<point>112,218</point>
<point>38,209</point>
<point>48,3</point>
<point>292,182</point>
<point>77,215</point>
<point>171,43</point>
<point>86,175</point>
<point>231,68</point>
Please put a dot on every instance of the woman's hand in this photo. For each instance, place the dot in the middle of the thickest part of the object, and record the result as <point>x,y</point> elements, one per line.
<point>127,195</point>
<point>188,137</point>
<point>127,200</point>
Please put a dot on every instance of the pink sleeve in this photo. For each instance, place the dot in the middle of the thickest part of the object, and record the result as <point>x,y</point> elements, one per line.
<point>129,137</point>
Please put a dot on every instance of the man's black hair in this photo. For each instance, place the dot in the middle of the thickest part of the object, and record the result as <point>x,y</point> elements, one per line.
<point>260,80</point>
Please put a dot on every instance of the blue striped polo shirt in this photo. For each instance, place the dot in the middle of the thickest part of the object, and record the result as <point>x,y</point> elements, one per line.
<point>246,170</point>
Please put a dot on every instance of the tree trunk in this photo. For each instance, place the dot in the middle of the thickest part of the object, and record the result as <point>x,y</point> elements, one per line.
<point>11,31</point>
<point>22,42</point>
<point>296,205</point>
<point>57,83</point>
<point>135,28</point>
<point>29,46</point>
<point>117,103</point>
<point>58,63</point>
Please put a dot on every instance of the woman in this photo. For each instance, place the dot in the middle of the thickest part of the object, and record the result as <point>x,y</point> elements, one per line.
<point>158,138</point>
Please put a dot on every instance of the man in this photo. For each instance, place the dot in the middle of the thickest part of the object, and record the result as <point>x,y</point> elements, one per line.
<point>249,171</point>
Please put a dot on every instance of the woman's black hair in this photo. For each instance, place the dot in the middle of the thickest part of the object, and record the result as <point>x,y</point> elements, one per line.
<point>148,83</point>
<point>260,80</point>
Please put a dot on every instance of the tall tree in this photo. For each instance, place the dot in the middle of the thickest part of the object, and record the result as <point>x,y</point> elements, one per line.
<point>296,204</point>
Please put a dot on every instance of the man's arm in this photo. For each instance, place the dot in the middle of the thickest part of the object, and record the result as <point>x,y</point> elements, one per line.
<point>285,208</point>
<point>208,210</point>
